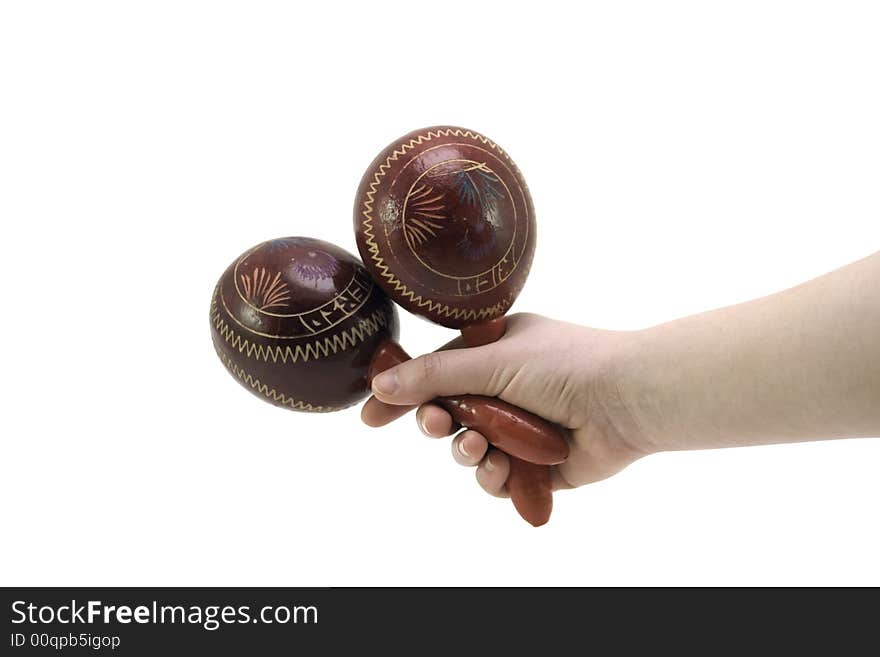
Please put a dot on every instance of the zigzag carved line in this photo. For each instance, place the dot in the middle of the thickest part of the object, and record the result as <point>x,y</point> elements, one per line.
<point>373,247</point>
<point>317,349</point>
<point>271,393</point>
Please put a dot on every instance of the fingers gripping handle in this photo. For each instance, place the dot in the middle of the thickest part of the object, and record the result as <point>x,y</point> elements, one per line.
<point>510,429</point>
<point>532,443</point>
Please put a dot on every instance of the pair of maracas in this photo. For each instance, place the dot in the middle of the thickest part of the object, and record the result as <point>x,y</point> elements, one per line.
<point>446,228</point>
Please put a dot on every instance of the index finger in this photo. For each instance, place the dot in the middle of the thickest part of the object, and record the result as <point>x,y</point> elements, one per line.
<point>376,413</point>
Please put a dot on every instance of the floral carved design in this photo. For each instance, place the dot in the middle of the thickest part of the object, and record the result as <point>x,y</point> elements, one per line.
<point>265,291</point>
<point>426,212</point>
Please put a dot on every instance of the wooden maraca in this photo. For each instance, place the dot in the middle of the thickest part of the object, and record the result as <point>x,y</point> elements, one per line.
<point>300,323</point>
<point>296,321</point>
<point>445,224</point>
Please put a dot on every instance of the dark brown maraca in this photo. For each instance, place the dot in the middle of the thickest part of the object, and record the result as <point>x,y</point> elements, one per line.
<point>445,224</point>
<point>296,321</point>
<point>444,221</point>
<point>301,324</point>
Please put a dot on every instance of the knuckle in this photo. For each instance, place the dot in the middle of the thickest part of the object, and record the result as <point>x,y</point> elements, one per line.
<point>432,364</point>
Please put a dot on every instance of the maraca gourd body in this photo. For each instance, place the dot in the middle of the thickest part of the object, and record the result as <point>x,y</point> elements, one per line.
<point>445,224</point>
<point>296,321</point>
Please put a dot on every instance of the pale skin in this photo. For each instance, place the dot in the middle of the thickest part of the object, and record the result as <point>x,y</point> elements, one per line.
<point>802,364</point>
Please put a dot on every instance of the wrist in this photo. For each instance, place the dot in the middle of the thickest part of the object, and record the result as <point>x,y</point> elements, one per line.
<point>640,387</point>
<point>684,385</point>
<point>612,399</point>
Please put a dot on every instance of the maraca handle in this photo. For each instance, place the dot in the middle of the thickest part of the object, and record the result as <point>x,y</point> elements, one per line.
<point>530,484</point>
<point>532,443</point>
<point>509,428</point>
<point>531,490</point>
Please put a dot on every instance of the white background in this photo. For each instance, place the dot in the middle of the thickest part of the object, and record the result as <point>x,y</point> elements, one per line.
<point>681,156</point>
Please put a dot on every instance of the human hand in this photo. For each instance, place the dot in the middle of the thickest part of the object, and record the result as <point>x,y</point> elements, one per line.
<point>562,372</point>
<point>802,364</point>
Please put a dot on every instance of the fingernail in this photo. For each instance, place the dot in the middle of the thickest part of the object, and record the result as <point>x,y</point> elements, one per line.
<point>386,383</point>
<point>489,465</point>
<point>461,449</point>
<point>421,420</point>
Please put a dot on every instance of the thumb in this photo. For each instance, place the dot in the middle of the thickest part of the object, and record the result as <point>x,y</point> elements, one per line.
<point>472,371</point>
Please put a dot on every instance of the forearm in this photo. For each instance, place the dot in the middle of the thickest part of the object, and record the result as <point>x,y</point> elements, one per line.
<point>803,364</point>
